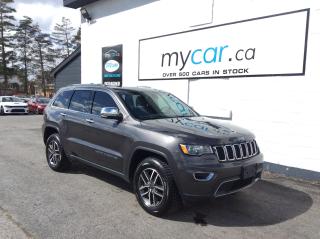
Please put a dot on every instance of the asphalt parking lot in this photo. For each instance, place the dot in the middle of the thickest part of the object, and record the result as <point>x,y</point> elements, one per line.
<point>36,202</point>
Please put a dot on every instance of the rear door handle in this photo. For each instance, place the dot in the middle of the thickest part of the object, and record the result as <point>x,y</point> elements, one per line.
<point>90,121</point>
<point>63,114</point>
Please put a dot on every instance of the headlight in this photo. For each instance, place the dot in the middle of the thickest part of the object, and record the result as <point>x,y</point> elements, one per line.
<point>195,150</point>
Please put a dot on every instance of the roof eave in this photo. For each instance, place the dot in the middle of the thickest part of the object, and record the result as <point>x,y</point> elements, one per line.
<point>77,3</point>
<point>65,62</point>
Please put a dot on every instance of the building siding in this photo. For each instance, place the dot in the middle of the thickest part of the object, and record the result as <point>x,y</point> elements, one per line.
<point>281,111</point>
<point>70,74</point>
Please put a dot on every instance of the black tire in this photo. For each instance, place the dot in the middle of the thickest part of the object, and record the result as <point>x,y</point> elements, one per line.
<point>37,111</point>
<point>59,161</point>
<point>1,111</point>
<point>152,202</point>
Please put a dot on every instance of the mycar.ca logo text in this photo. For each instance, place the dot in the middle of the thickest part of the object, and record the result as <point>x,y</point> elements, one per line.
<point>257,47</point>
<point>208,57</point>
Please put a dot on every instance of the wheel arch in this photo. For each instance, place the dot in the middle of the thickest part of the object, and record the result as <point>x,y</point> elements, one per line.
<point>139,154</point>
<point>49,130</point>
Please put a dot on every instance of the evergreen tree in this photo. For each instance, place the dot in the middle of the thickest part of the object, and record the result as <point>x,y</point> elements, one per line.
<point>62,37</point>
<point>24,37</point>
<point>6,36</point>
<point>44,56</point>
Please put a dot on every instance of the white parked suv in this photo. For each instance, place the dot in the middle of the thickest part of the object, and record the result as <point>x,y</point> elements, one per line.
<point>12,105</point>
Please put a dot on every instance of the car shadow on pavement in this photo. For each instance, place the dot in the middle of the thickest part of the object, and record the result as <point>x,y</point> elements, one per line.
<point>265,203</point>
<point>80,168</point>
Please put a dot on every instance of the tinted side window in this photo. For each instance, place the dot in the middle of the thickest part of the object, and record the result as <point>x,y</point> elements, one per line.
<point>62,100</point>
<point>102,99</point>
<point>81,101</point>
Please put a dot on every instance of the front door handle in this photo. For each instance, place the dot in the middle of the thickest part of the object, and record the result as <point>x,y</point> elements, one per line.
<point>90,121</point>
<point>63,114</point>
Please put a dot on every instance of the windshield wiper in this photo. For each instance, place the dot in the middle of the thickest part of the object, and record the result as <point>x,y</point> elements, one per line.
<point>151,117</point>
<point>167,117</point>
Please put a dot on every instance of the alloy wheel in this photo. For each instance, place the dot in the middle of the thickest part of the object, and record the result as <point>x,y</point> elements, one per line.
<point>54,154</point>
<point>151,187</point>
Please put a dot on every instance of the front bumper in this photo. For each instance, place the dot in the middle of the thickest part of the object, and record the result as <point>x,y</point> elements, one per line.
<point>15,110</point>
<point>217,179</point>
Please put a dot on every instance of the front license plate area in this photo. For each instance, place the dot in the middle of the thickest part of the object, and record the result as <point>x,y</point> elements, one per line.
<point>249,171</point>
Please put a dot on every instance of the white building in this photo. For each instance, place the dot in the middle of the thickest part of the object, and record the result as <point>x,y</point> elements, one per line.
<point>275,44</point>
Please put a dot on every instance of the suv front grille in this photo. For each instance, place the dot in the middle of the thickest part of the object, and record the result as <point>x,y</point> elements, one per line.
<point>236,151</point>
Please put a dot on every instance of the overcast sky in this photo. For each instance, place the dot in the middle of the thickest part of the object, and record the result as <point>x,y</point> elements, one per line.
<point>46,12</point>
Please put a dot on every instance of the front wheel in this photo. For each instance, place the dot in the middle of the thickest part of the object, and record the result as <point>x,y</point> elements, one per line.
<point>154,187</point>
<point>1,111</point>
<point>56,158</point>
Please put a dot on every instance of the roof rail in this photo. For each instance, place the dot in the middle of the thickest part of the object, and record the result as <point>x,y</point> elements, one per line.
<point>144,86</point>
<point>90,84</point>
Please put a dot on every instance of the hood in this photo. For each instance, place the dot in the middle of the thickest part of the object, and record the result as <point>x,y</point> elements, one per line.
<point>198,128</point>
<point>21,104</point>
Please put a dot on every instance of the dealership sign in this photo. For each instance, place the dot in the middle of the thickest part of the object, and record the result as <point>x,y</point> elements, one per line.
<point>112,65</point>
<point>267,46</point>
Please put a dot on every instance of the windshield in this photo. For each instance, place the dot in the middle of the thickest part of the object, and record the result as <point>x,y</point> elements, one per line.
<point>154,105</point>
<point>11,99</point>
<point>43,100</point>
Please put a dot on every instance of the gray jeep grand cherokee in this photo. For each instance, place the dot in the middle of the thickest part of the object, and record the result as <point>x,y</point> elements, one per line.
<point>151,139</point>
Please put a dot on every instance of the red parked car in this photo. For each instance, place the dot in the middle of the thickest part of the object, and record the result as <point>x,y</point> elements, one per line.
<point>37,105</point>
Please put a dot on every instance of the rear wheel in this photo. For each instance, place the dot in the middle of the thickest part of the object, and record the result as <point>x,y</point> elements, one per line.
<point>56,158</point>
<point>155,188</point>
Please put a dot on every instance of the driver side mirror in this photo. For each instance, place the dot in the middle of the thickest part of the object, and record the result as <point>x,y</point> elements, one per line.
<point>111,113</point>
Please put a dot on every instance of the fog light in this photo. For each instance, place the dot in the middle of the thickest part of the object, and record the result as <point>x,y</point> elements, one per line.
<point>203,176</point>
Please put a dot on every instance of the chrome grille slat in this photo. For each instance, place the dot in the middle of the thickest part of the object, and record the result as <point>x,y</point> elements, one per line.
<point>232,152</point>
<point>254,146</point>
<point>241,152</point>
<point>225,153</point>
<point>220,152</point>
<point>246,150</point>
<point>249,149</point>
<point>238,153</point>
<point>253,149</point>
